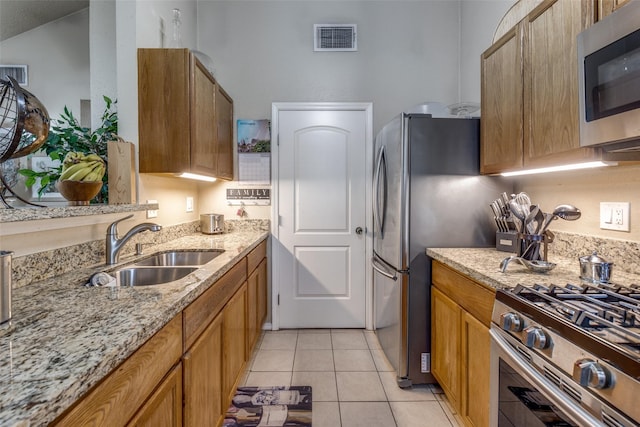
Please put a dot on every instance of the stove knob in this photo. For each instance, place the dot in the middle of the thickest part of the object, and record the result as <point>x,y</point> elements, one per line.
<point>535,337</point>
<point>590,373</point>
<point>511,322</point>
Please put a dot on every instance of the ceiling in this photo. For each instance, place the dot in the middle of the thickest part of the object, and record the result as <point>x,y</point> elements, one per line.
<point>18,16</point>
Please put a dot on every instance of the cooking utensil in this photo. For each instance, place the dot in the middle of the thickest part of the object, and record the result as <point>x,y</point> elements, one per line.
<point>535,266</point>
<point>524,200</point>
<point>594,268</point>
<point>516,210</point>
<point>533,212</point>
<point>566,212</point>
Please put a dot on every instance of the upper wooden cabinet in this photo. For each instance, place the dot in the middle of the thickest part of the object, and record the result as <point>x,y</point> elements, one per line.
<point>530,91</point>
<point>185,117</point>
<point>606,7</point>
<point>501,127</point>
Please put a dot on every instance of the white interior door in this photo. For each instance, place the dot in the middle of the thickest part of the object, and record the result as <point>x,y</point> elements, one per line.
<point>320,269</point>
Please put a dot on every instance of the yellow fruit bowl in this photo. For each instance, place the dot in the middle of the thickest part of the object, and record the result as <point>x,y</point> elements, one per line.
<point>79,193</point>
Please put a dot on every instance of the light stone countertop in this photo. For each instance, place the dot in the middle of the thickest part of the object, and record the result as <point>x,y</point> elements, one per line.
<point>66,337</point>
<point>483,265</point>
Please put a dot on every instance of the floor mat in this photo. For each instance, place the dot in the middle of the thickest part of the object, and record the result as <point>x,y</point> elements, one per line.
<point>270,407</point>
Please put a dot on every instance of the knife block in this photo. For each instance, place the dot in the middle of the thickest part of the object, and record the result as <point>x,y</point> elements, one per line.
<point>507,241</point>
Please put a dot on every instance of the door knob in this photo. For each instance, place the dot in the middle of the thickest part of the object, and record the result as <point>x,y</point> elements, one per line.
<point>358,230</point>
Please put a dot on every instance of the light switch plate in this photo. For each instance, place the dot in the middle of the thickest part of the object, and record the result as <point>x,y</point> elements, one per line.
<point>152,213</point>
<point>614,216</point>
<point>189,204</point>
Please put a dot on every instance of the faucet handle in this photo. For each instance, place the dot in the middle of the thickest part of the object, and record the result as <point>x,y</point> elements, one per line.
<point>113,227</point>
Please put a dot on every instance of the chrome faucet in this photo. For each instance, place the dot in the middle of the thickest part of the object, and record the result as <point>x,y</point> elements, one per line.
<point>114,244</point>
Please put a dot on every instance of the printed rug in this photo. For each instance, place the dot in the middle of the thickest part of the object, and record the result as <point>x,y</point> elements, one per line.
<point>270,407</point>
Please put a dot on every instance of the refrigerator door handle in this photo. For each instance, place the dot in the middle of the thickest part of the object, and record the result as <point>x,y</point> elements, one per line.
<point>382,269</point>
<point>380,179</point>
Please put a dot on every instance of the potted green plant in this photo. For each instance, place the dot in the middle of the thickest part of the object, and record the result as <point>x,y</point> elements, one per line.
<point>67,136</point>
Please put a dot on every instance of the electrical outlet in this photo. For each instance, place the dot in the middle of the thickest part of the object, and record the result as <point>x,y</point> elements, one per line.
<point>189,204</point>
<point>152,213</point>
<point>425,362</point>
<point>614,216</point>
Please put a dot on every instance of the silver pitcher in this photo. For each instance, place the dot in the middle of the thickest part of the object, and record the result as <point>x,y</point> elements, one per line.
<point>5,287</point>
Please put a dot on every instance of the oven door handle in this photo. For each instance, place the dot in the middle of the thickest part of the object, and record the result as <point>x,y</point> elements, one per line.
<point>570,408</point>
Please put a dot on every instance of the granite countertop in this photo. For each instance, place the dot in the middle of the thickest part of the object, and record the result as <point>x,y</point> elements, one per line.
<point>66,337</point>
<point>483,265</point>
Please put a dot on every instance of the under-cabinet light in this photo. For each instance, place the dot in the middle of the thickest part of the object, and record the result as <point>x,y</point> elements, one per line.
<point>573,166</point>
<point>196,176</point>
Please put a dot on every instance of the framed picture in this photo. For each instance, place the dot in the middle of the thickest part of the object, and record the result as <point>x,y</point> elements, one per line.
<point>40,164</point>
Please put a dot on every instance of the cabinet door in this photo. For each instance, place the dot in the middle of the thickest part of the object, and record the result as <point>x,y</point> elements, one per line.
<point>474,371</point>
<point>256,303</point>
<point>607,7</point>
<point>224,124</point>
<point>203,130</point>
<point>203,398</point>
<point>164,408</point>
<point>552,131</point>
<point>445,343</point>
<point>233,340</point>
<point>262,294</point>
<point>163,110</point>
<point>501,131</point>
<point>252,309</point>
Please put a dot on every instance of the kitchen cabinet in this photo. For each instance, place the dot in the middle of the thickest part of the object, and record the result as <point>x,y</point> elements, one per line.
<point>461,315</point>
<point>607,7</point>
<point>203,404</point>
<point>119,398</point>
<point>164,408</point>
<point>185,118</point>
<point>501,127</point>
<point>530,91</point>
<point>234,329</point>
<point>256,293</point>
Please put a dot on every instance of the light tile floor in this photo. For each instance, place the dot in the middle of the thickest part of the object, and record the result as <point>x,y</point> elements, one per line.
<point>353,383</point>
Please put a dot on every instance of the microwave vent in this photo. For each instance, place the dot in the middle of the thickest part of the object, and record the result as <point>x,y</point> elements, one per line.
<point>18,72</point>
<point>331,37</point>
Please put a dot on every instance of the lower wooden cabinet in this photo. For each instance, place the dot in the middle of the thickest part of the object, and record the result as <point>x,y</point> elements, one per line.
<point>445,336</point>
<point>256,303</point>
<point>234,329</point>
<point>203,398</point>
<point>164,408</point>
<point>461,315</point>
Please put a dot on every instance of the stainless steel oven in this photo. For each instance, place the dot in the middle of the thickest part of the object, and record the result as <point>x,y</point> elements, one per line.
<point>565,356</point>
<point>609,79</point>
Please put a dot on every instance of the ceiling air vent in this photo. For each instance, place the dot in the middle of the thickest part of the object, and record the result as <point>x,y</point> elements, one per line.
<point>332,37</point>
<point>18,72</point>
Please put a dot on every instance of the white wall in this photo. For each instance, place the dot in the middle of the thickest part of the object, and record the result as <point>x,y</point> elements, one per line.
<point>408,52</point>
<point>57,55</point>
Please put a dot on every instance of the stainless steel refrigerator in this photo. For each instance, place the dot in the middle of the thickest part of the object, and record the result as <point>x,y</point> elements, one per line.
<point>427,193</point>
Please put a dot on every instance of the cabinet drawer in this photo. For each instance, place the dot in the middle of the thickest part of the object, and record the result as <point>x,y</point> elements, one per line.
<point>114,401</point>
<point>470,295</point>
<point>255,256</point>
<point>203,310</point>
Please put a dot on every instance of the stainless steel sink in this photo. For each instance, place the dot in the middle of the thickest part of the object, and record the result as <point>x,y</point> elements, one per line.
<point>147,276</point>
<point>180,258</point>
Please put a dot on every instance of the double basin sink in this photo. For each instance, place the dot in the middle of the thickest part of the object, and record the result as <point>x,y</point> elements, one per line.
<point>164,267</point>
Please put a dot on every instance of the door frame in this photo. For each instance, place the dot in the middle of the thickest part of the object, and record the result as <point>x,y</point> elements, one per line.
<point>276,108</point>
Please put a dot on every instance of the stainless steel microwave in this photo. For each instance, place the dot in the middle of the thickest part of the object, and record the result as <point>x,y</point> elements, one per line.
<point>609,79</point>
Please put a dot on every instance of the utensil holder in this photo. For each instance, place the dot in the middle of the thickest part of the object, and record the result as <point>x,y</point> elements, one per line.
<point>533,247</point>
<point>5,288</point>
